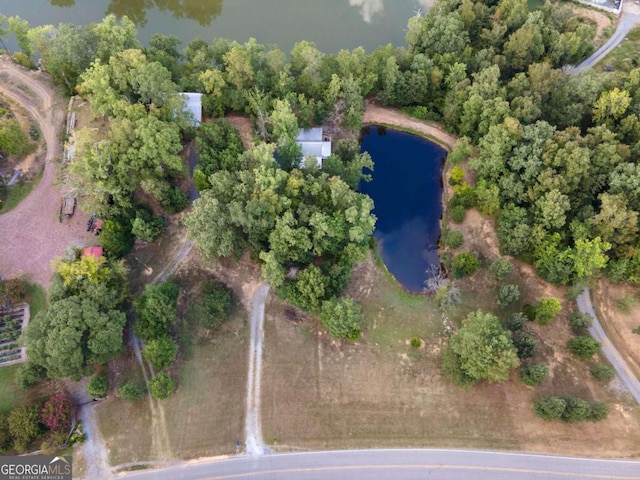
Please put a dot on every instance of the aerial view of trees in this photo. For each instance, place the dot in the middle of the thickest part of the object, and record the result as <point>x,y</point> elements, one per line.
<point>84,323</point>
<point>481,350</point>
<point>553,158</point>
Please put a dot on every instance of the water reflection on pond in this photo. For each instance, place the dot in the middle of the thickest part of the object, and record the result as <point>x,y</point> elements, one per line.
<point>407,193</point>
<point>331,24</point>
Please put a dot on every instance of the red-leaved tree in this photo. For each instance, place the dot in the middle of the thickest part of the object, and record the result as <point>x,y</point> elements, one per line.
<point>56,413</point>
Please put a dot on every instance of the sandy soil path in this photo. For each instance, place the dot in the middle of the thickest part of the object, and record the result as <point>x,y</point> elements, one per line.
<point>31,235</point>
<point>377,115</point>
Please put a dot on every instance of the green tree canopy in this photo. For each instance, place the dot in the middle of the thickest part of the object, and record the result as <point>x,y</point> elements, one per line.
<point>342,317</point>
<point>160,352</point>
<point>161,386</point>
<point>77,332</point>
<point>484,349</point>
<point>156,309</point>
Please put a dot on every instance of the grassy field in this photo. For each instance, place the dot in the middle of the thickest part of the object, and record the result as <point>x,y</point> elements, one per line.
<point>13,195</point>
<point>125,426</point>
<point>626,56</point>
<point>37,299</point>
<point>205,415</point>
<point>10,394</point>
<point>381,392</point>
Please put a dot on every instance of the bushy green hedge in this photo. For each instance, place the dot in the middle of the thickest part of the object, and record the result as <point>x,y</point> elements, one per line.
<point>583,347</point>
<point>453,239</point>
<point>602,372</point>
<point>533,374</point>
<point>464,264</point>
<point>131,391</point>
<point>161,386</point>
<point>458,213</point>
<point>98,387</point>
<point>342,317</point>
<point>569,409</point>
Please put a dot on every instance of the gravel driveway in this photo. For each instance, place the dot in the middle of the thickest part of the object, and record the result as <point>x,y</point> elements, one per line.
<point>30,234</point>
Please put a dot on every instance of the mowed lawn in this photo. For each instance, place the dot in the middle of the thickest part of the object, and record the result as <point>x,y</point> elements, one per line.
<point>125,426</point>
<point>382,392</point>
<point>10,394</point>
<point>205,415</point>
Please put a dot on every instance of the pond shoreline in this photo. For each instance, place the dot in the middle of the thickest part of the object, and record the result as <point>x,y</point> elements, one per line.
<point>376,115</point>
<point>394,118</point>
<point>409,219</point>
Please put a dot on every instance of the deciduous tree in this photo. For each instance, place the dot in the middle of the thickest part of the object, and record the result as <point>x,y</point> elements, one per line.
<point>483,348</point>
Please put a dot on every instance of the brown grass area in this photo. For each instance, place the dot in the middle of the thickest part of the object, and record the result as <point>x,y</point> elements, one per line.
<point>619,323</point>
<point>381,392</point>
<point>205,416</point>
<point>79,464</point>
<point>125,427</point>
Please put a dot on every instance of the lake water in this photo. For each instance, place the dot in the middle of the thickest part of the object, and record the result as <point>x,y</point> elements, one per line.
<point>407,192</point>
<point>332,24</point>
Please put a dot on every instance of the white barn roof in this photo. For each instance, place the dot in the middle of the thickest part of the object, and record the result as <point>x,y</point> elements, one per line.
<point>194,105</point>
<point>312,144</point>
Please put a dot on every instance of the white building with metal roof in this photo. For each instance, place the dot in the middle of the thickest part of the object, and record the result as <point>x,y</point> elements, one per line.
<point>193,104</point>
<point>314,144</point>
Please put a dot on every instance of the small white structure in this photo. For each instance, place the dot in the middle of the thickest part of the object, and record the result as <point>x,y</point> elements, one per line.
<point>314,144</point>
<point>194,105</point>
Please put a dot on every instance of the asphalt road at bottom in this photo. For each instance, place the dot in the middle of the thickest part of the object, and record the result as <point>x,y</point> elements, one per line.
<point>397,465</point>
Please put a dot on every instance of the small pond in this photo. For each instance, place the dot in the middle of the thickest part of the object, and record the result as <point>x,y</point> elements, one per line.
<point>407,192</point>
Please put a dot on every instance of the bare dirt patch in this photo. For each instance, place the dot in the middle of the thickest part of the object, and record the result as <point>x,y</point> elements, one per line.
<point>243,125</point>
<point>31,234</point>
<point>377,115</point>
<point>479,235</point>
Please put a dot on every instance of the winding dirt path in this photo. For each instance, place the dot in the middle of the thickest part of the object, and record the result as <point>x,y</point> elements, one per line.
<point>30,234</point>
<point>377,115</point>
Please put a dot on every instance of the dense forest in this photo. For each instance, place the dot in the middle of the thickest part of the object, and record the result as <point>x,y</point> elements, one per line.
<point>554,154</point>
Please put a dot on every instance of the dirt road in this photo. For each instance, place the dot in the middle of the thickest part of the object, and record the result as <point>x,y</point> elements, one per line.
<point>253,428</point>
<point>31,235</point>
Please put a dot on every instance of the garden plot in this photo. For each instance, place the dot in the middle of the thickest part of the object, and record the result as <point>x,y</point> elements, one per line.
<point>12,322</point>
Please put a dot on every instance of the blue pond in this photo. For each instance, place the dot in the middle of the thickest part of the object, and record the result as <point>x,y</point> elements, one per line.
<point>407,192</point>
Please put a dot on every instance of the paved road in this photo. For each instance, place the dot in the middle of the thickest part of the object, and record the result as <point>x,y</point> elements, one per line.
<point>628,20</point>
<point>609,350</point>
<point>398,465</point>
